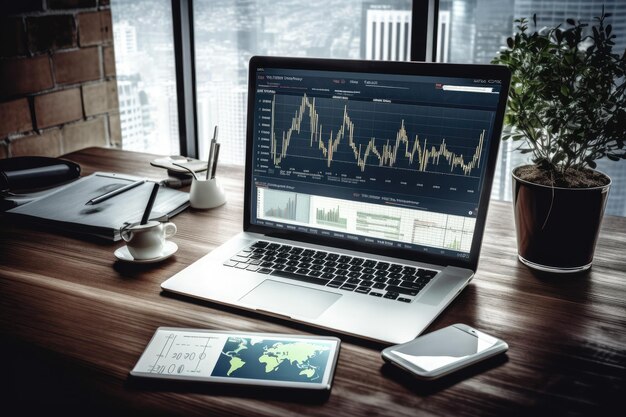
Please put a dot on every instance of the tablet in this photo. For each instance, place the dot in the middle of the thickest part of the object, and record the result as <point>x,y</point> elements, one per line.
<point>271,360</point>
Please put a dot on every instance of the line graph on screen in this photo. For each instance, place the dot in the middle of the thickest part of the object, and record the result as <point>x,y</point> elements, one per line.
<point>300,129</point>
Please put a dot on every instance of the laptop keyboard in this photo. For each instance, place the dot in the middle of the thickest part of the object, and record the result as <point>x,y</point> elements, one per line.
<point>360,275</point>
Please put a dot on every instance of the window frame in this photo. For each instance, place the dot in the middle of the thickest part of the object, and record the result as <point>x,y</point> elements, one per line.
<point>185,64</point>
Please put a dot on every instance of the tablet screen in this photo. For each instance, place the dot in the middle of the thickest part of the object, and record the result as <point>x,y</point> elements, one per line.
<point>253,358</point>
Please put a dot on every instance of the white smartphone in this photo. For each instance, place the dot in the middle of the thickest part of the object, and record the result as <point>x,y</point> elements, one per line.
<point>444,351</point>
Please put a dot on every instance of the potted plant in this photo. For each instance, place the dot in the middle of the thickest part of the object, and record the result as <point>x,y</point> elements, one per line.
<point>567,109</point>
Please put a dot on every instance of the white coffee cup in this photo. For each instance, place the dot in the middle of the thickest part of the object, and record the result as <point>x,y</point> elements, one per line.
<point>146,241</point>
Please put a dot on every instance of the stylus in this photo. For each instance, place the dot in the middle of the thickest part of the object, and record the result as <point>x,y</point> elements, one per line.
<point>115,192</point>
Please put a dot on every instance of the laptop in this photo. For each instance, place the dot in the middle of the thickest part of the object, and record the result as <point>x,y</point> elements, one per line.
<point>366,190</point>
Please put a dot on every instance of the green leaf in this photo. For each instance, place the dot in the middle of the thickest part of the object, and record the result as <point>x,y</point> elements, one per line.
<point>569,59</point>
<point>558,34</point>
<point>565,90</point>
<point>596,34</point>
<point>558,157</point>
<point>592,164</point>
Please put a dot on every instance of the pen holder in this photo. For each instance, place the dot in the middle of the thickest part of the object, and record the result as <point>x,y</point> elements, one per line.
<point>206,194</point>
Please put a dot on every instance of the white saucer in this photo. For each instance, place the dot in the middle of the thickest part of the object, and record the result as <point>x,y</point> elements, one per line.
<point>169,249</point>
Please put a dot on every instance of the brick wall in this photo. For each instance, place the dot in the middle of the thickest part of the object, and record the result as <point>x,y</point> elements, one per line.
<point>57,77</point>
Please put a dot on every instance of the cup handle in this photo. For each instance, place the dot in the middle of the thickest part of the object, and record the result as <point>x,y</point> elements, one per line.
<point>126,233</point>
<point>169,230</point>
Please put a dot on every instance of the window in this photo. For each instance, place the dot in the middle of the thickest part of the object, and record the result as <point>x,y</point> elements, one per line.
<point>229,32</point>
<point>144,59</point>
<point>473,31</point>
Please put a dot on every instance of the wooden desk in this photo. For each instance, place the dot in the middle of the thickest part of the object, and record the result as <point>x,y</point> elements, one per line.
<point>77,322</point>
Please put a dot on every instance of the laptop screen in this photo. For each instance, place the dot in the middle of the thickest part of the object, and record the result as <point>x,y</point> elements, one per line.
<point>384,160</point>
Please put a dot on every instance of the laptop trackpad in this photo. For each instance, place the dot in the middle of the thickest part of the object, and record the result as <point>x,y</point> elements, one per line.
<point>290,300</point>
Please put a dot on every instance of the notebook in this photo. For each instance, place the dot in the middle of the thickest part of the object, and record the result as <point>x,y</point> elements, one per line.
<point>66,207</point>
<point>366,191</point>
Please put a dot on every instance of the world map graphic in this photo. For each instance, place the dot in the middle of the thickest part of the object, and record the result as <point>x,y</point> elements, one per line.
<point>280,360</point>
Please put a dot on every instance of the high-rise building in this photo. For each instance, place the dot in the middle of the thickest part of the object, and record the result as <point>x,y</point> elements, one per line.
<point>172,113</point>
<point>443,36</point>
<point>125,38</point>
<point>232,115</point>
<point>473,31</point>
<point>207,120</point>
<point>494,23</point>
<point>462,30</point>
<point>134,113</point>
<point>144,59</point>
<point>246,28</point>
<point>224,105</point>
<point>146,110</point>
<point>387,31</point>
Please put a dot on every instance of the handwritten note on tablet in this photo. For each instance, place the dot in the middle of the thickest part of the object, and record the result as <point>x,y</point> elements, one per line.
<point>252,358</point>
<point>181,353</point>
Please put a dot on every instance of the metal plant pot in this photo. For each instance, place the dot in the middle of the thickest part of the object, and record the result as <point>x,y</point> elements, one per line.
<point>557,228</point>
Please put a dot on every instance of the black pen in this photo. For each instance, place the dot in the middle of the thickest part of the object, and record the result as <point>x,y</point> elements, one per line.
<point>148,210</point>
<point>113,193</point>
